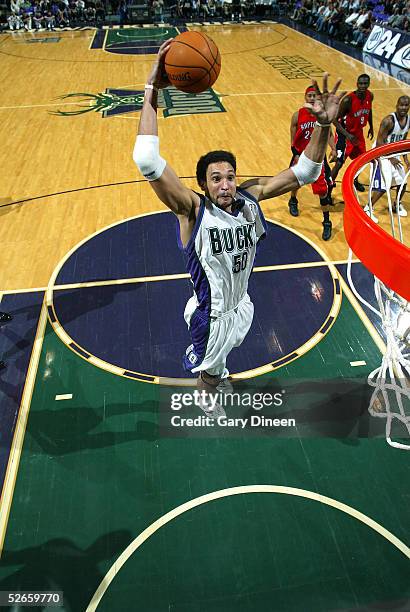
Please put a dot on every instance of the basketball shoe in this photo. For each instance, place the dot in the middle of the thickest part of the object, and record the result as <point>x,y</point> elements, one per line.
<point>402,210</point>
<point>293,206</point>
<point>327,230</point>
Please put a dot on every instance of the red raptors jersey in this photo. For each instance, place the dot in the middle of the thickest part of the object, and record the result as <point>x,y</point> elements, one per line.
<point>358,116</point>
<point>306,125</point>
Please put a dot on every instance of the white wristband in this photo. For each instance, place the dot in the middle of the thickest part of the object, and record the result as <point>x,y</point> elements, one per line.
<point>150,86</point>
<point>306,170</point>
<point>146,156</point>
<point>323,124</point>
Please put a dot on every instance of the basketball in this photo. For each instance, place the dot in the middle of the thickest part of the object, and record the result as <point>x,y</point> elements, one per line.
<point>193,62</point>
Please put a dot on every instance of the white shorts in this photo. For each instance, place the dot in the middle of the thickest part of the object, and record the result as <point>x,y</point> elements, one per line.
<point>387,176</point>
<point>214,337</point>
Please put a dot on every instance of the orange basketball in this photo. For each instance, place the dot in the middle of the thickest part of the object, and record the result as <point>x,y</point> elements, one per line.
<point>193,62</point>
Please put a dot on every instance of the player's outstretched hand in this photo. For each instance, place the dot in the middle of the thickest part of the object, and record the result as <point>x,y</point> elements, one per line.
<point>326,104</point>
<point>158,77</point>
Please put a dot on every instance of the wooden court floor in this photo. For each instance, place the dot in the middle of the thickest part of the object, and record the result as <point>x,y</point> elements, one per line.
<point>101,498</point>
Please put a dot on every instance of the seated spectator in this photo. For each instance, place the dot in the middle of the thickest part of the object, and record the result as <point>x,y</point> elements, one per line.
<point>388,7</point>
<point>123,12</point>
<point>317,13</point>
<point>65,16</point>
<point>38,20</point>
<point>186,9</point>
<point>194,9</point>
<point>15,22</point>
<point>99,14</point>
<point>335,22</point>
<point>203,10</point>
<point>50,20</point>
<point>158,7</point>
<point>212,8</point>
<point>323,18</point>
<point>345,27</point>
<point>80,10</point>
<point>259,8</point>
<point>394,19</point>
<point>72,13</point>
<point>220,9</point>
<point>351,23</point>
<point>226,9</point>
<point>28,19</point>
<point>403,15</point>
<point>362,29</point>
<point>238,8</point>
<point>296,11</point>
<point>178,9</point>
<point>317,9</point>
<point>305,10</point>
<point>90,14</point>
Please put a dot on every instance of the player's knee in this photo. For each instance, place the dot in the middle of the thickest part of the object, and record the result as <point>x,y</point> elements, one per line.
<point>306,170</point>
<point>326,200</point>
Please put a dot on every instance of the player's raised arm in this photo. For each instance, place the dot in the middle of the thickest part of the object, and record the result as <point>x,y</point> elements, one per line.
<point>308,168</point>
<point>164,181</point>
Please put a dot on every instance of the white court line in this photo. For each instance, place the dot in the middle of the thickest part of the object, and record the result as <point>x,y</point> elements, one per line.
<point>166,277</point>
<point>40,105</point>
<point>64,396</point>
<point>222,95</point>
<point>20,429</point>
<point>128,117</point>
<point>241,490</point>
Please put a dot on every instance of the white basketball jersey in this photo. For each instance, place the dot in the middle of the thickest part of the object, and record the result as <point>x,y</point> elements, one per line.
<point>398,133</point>
<point>221,252</point>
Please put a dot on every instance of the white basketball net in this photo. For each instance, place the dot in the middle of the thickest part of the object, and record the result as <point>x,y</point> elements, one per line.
<point>391,381</point>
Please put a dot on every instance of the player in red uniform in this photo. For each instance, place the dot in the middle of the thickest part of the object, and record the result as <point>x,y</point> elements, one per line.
<point>354,113</point>
<point>301,128</point>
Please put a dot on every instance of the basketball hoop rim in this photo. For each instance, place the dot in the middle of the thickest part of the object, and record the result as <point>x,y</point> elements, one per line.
<point>387,258</point>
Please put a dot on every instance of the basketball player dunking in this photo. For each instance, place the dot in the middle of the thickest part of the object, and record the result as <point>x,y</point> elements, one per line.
<point>301,128</point>
<point>354,113</point>
<point>391,171</point>
<point>220,228</point>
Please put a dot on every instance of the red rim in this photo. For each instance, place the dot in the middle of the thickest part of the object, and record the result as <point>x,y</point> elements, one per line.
<point>383,255</point>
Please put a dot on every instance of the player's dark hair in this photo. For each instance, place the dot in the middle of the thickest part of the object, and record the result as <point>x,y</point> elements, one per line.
<point>403,98</point>
<point>363,76</point>
<point>213,157</point>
